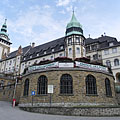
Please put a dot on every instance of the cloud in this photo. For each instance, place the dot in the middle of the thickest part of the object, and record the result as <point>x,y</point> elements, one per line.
<point>63,2</point>
<point>46,6</point>
<point>36,25</point>
<point>13,49</point>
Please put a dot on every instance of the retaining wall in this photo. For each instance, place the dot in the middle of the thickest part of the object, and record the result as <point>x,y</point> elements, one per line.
<point>75,111</point>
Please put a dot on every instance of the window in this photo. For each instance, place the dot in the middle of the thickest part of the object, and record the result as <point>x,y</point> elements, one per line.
<point>95,57</point>
<point>60,54</point>
<point>37,54</point>
<point>44,52</point>
<point>66,84</point>
<point>52,50</point>
<point>91,87</point>
<point>26,87</point>
<point>78,50</point>
<point>108,87</point>
<point>114,50</point>
<point>116,62</point>
<point>111,44</point>
<point>10,62</point>
<point>70,50</point>
<point>30,56</point>
<point>51,57</point>
<point>42,85</point>
<point>8,85</point>
<point>108,63</point>
<point>61,47</point>
<point>36,61</point>
<point>118,77</point>
<point>77,40</point>
<point>94,47</point>
<point>87,48</point>
<point>69,40</point>
<point>106,52</point>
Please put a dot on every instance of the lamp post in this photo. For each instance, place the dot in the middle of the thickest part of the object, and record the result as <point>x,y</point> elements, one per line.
<point>14,100</point>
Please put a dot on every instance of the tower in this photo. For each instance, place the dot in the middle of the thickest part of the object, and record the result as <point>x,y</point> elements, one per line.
<point>4,41</point>
<point>74,39</point>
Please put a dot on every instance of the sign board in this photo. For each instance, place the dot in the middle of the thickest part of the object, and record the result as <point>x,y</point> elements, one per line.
<point>32,93</point>
<point>66,64</point>
<point>90,66</point>
<point>50,88</point>
<point>50,65</point>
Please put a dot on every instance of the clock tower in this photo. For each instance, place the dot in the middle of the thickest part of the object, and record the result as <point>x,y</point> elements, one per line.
<point>4,41</point>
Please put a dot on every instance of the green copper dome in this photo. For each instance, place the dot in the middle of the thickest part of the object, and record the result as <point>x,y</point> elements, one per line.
<point>74,27</point>
<point>73,22</point>
<point>4,29</point>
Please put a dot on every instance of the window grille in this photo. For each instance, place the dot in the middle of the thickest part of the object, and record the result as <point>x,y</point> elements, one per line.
<point>42,85</point>
<point>91,87</point>
<point>26,87</point>
<point>108,87</point>
<point>66,84</point>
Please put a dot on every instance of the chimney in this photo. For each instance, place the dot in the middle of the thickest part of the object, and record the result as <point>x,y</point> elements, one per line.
<point>33,45</point>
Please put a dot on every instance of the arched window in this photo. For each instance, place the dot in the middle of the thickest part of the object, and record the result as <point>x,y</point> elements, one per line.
<point>78,50</point>
<point>118,77</point>
<point>116,62</point>
<point>108,63</point>
<point>91,87</point>
<point>66,84</point>
<point>26,87</point>
<point>108,87</point>
<point>42,85</point>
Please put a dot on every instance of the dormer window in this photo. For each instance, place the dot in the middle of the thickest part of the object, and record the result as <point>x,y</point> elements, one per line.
<point>52,50</point>
<point>111,44</point>
<point>61,47</point>
<point>37,54</point>
<point>44,52</point>
<point>30,56</point>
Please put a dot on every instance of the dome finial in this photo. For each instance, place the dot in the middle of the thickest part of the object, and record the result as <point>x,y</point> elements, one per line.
<point>5,21</point>
<point>73,10</point>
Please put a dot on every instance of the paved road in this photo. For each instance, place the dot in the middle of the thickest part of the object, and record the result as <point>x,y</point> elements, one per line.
<point>9,113</point>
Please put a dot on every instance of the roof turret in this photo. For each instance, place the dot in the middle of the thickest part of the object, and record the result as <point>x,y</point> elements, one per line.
<point>74,27</point>
<point>4,30</point>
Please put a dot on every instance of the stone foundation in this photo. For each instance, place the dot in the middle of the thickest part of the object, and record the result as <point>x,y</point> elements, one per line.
<point>75,111</point>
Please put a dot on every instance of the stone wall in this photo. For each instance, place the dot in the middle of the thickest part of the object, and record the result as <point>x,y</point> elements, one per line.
<point>118,98</point>
<point>113,111</point>
<point>79,95</point>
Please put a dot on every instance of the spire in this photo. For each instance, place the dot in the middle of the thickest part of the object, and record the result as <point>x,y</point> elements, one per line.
<point>4,29</point>
<point>74,23</point>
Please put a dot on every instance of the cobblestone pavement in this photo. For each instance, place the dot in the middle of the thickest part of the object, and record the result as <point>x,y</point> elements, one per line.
<point>9,113</point>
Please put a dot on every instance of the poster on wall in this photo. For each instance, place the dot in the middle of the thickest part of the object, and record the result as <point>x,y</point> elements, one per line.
<point>50,88</point>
